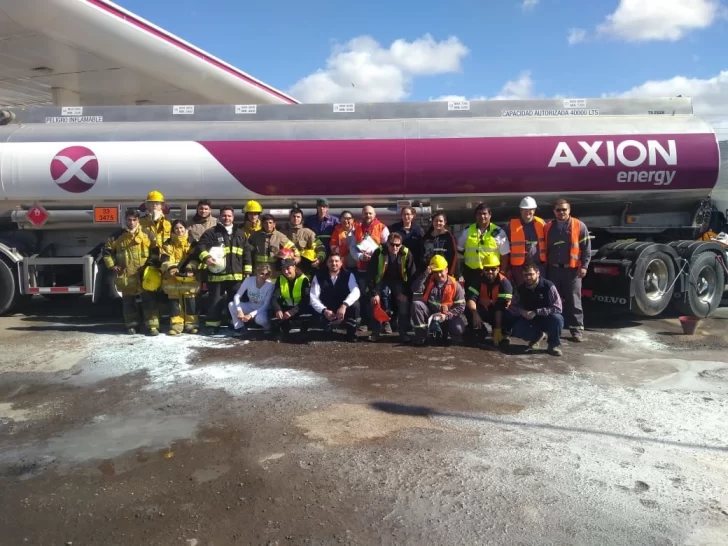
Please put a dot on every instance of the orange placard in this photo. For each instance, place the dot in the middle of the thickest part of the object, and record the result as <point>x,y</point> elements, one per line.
<point>106,215</point>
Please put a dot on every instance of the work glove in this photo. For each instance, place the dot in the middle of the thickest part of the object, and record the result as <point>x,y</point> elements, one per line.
<point>497,336</point>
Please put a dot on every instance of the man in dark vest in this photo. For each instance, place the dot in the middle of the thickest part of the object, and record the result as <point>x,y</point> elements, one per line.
<point>290,304</point>
<point>335,297</point>
<point>535,312</point>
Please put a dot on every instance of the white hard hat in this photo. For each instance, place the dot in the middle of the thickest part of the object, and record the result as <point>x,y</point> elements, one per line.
<point>528,203</point>
<point>217,253</point>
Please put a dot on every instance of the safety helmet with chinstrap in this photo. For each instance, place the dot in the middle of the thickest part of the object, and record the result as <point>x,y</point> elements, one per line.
<point>528,203</point>
<point>252,206</point>
<point>491,260</point>
<point>155,196</point>
<point>438,263</point>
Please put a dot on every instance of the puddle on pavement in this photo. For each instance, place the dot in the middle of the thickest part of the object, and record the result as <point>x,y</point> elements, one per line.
<point>344,424</point>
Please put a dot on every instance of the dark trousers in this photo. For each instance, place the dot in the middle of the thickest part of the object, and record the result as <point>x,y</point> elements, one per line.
<point>351,318</point>
<point>301,320</point>
<point>568,283</point>
<point>403,308</point>
<point>531,330</point>
<point>486,315</point>
<point>365,304</point>
<point>421,312</point>
<point>472,278</point>
<point>221,293</point>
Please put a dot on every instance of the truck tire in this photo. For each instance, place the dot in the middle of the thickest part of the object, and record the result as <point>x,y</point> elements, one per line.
<point>654,284</point>
<point>9,294</point>
<point>704,288</point>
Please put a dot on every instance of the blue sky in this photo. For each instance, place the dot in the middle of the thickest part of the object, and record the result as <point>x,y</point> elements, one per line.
<point>492,43</point>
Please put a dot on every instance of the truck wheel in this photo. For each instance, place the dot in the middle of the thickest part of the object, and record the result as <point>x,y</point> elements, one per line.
<point>705,287</point>
<point>9,295</point>
<point>654,284</point>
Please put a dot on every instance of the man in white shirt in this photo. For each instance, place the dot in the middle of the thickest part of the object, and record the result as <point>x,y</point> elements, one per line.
<point>335,297</point>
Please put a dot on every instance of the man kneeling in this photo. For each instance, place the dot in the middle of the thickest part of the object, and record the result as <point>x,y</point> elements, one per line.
<point>490,301</point>
<point>290,304</point>
<point>443,302</point>
<point>535,311</point>
<point>335,297</point>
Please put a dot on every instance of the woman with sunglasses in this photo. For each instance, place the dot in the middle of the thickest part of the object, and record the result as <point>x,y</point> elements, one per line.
<point>252,300</point>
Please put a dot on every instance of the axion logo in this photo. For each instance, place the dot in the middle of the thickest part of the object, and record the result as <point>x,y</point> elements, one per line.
<point>75,169</point>
<point>628,153</point>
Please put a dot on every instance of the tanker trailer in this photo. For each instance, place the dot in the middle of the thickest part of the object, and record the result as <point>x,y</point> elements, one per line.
<point>642,174</point>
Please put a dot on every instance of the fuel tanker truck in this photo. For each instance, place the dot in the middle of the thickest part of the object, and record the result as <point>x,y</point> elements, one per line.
<point>644,175</point>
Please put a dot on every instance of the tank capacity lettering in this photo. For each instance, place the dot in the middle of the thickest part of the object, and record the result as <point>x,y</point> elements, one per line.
<point>628,153</point>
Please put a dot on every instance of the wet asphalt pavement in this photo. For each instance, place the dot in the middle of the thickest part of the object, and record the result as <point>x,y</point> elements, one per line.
<point>112,439</point>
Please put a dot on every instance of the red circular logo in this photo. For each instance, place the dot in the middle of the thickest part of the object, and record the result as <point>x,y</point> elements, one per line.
<point>75,169</point>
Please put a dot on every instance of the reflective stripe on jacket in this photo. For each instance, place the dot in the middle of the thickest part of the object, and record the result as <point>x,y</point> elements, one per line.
<point>479,247</point>
<point>297,290</point>
<point>518,241</point>
<point>574,249</point>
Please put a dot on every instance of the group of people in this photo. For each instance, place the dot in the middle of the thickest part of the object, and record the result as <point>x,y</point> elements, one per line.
<point>522,280</point>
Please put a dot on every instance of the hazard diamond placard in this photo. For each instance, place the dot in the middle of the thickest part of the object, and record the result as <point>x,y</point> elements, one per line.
<point>37,215</point>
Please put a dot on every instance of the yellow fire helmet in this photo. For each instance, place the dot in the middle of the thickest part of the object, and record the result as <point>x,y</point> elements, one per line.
<point>309,254</point>
<point>155,197</point>
<point>438,263</point>
<point>152,279</point>
<point>252,206</point>
<point>491,260</point>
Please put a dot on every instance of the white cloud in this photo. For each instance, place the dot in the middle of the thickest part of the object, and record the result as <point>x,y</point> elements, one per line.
<point>645,20</point>
<point>576,35</point>
<point>521,88</point>
<point>529,4</point>
<point>362,70</point>
<point>710,96</point>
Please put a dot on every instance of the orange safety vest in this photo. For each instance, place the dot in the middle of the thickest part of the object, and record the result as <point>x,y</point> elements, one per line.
<point>448,293</point>
<point>574,250</point>
<point>374,230</point>
<point>518,241</point>
<point>338,241</point>
<point>486,299</point>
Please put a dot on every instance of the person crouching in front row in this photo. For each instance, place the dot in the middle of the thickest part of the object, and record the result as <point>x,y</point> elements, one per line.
<point>251,302</point>
<point>335,297</point>
<point>290,305</point>
<point>443,302</point>
<point>489,302</point>
<point>535,311</point>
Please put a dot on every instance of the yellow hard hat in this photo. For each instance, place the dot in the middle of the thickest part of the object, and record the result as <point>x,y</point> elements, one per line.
<point>252,206</point>
<point>309,254</point>
<point>491,260</point>
<point>155,196</point>
<point>438,263</point>
<point>152,279</point>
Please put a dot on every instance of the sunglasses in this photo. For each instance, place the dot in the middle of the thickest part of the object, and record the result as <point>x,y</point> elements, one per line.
<point>395,245</point>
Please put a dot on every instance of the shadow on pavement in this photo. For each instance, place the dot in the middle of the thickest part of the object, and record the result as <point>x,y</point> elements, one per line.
<point>425,411</point>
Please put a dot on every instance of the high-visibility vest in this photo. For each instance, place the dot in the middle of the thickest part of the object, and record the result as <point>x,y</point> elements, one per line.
<point>574,250</point>
<point>479,247</point>
<point>297,290</point>
<point>487,299</point>
<point>448,293</point>
<point>518,241</point>
<point>382,266</point>
<point>374,230</point>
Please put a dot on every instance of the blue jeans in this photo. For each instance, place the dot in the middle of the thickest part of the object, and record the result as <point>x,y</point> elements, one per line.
<point>531,330</point>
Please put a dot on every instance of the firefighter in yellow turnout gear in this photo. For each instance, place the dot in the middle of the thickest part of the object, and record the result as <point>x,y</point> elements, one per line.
<point>180,282</point>
<point>127,254</point>
<point>154,221</point>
